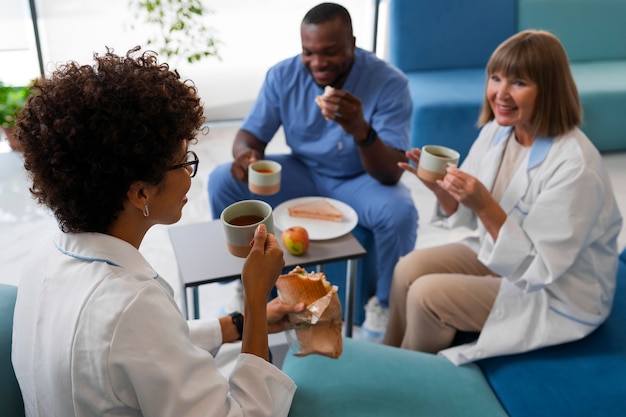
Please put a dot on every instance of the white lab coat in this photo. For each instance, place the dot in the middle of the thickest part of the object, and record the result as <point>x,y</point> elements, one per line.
<point>557,250</point>
<point>98,333</point>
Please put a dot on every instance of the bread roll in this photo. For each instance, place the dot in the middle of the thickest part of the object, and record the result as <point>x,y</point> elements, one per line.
<point>328,89</point>
<point>318,328</point>
<point>298,286</point>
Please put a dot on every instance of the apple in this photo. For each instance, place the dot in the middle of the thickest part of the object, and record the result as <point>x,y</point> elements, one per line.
<point>296,240</point>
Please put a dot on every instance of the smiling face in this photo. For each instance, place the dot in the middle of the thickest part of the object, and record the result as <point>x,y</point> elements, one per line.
<point>328,51</point>
<point>513,101</point>
<point>530,86</point>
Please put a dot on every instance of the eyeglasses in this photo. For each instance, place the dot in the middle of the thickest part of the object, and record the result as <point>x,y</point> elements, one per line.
<point>192,161</point>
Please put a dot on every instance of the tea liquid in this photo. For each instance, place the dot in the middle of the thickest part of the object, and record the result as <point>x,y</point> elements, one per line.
<point>246,219</point>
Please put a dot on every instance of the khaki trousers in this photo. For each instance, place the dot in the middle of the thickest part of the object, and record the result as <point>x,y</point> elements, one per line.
<point>435,293</point>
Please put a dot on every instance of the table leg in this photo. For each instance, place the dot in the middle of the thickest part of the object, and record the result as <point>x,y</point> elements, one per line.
<point>350,290</point>
<point>196,303</point>
<point>185,307</point>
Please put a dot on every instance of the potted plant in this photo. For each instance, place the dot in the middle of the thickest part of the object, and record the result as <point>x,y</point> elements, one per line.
<point>12,100</point>
<point>180,28</point>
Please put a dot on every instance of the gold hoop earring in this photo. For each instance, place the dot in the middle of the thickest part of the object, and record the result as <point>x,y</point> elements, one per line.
<point>146,212</point>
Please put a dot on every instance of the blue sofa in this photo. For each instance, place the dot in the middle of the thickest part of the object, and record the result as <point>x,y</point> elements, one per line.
<point>443,46</point>
<point>581,378</point>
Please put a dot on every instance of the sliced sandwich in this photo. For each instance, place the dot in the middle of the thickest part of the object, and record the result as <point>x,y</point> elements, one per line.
<point>319,209</point>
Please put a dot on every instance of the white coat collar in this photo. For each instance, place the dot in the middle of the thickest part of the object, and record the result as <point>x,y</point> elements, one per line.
<point>99,247</point>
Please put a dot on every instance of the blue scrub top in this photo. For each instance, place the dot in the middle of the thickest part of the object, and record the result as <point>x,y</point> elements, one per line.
<point>287,98</point>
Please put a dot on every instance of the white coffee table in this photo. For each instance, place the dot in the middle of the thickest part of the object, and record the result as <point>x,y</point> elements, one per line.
<point>202,258</point>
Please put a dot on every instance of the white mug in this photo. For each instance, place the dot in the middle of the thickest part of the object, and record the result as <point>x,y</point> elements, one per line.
<point>240,220</point>
<point>434,160</point>
<point>264,177</point>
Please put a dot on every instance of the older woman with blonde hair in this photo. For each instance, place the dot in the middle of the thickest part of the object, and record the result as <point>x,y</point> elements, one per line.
<point>540,269</point>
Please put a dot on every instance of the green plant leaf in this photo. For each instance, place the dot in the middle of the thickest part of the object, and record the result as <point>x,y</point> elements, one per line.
<point>181,28</point>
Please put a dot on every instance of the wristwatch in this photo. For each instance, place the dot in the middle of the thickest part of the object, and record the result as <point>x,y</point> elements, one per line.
<point>369,140</point>
<point>237,318</point>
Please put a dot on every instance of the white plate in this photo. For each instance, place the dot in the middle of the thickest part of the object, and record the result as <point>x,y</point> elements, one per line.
<point>318,229</point>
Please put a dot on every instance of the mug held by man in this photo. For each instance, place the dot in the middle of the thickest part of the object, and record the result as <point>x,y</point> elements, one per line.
<point>239,222</point>
<point>434,160</point>
<point>264,177</point>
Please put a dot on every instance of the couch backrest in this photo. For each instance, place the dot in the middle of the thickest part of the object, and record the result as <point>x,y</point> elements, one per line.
<point>10,397</point>
<point>589,29</point>
<point>427,35</point>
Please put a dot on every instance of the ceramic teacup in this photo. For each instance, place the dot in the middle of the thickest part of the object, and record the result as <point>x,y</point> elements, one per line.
<point>434,160</point>
<point>240,220</point>
<point>264,177</point>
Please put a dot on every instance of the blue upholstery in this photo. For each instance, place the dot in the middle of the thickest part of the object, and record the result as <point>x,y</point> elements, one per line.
<point>581,378</point>
<point>447,34</point>
<point>446,105</point>
<point>602,88</point>
<point>443,47</point>
<point>590,30</point>
<point>366,274</point>
<point>593,33</point>
<point>11,403</point>
<point>376,380</point>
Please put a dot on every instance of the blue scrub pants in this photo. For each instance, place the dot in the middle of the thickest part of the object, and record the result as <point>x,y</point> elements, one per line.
<point>388,211</point>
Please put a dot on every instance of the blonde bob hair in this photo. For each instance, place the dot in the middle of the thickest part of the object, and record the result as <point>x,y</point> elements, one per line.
<point>538,56</point>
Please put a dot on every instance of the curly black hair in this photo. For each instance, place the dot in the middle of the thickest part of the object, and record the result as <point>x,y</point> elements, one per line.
<point>89,132</point>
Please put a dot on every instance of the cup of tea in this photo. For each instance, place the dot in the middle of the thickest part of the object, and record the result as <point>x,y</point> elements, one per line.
<point>264,177</point>
<point>434,160</point>
<point>240,220</point>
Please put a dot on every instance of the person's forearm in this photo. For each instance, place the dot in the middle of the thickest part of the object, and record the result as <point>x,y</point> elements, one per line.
<point>229,330</point>
<point>448,204</point>
<point>379,160</point>
<point>244,142</point>
<point>492,217</point>
<point>255,339</point>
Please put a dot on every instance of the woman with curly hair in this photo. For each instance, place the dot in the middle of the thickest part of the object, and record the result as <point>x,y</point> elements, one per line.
<point>97,331</point>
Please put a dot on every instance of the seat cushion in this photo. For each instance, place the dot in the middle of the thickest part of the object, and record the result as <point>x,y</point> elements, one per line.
<point>581,378</point>
<point>11,403</point>
<point>376,380</point>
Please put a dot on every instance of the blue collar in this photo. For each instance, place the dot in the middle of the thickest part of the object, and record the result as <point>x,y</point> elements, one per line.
<point>538,151</point>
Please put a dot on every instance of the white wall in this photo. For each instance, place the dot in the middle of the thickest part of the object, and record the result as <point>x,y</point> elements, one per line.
<point>253,34</point>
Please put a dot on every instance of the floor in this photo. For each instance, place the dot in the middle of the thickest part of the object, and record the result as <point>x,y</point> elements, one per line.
<point>22,221</point>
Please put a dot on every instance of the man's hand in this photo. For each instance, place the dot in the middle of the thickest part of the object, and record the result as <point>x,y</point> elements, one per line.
<point>239,168</point>
<point>346,110</point>
<point>246,150</point>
